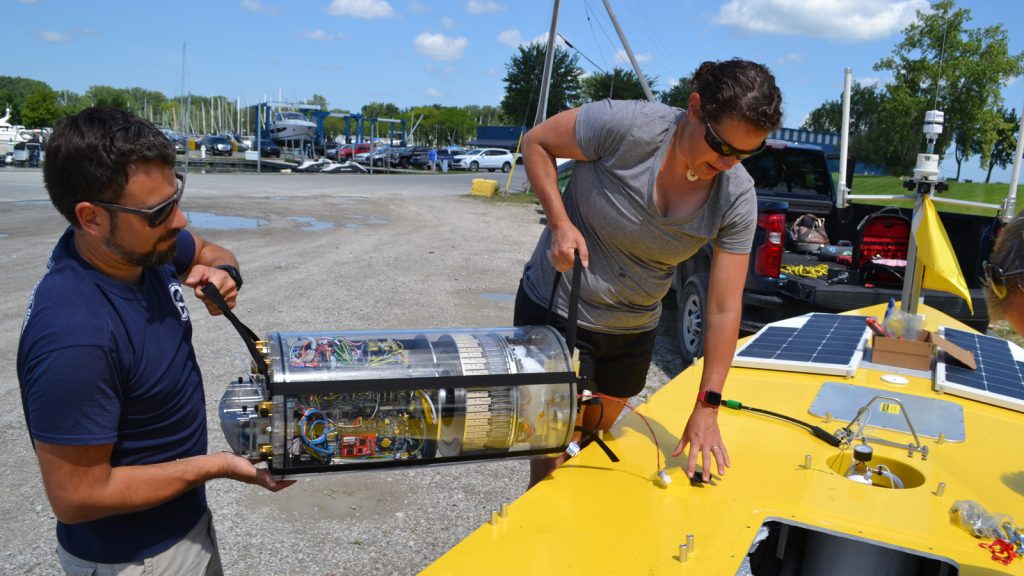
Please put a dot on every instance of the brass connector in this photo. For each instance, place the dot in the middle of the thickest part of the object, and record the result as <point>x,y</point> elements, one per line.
<point>263,347</point>
<point>266,452</point>
<point>265,408</point>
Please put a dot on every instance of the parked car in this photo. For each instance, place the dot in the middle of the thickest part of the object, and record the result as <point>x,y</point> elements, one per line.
<point>217,145</point>
<point>490,158</point>
<point>421,160</point>
<point>180,143</point>
<point>28,154</point>
<point>402,157</point>
<point>268,148</point>
<point>237,141</point>
<point>377,157</point>
<point>347,151</point>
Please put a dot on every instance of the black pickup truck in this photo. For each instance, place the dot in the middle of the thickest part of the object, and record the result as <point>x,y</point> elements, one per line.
<point>793,180</point>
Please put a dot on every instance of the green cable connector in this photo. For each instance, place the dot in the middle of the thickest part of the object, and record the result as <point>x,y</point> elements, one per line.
<point>734,404</point>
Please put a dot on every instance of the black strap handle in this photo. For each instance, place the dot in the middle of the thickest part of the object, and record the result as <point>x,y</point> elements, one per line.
<point>213,295</point>
<point>574,300</point>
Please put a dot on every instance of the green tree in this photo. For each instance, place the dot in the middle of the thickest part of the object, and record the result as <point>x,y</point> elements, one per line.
<point>381,110</point>
<point>943,64</point>
<point>321,101</point>
<point>108,96</point>
<point>867,134</point>
<point>41,109</point>
<point>1005,145</point>
<point>619,84</point>
<point>679,94</point>
<point>522,83</point>
<point>13,92</point>
<point>443,125</point>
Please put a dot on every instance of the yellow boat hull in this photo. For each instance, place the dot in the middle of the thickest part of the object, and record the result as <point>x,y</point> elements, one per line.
<point>595,517</point>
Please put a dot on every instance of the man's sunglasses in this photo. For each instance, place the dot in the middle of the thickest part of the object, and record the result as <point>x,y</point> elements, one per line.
<point>723,148</point>
<point>158,214</point>
<point>995,278</point>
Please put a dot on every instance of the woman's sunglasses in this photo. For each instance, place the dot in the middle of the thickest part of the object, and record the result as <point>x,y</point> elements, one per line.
<point>995,278</point>
<point>158,214</point>
<point>723,148</point>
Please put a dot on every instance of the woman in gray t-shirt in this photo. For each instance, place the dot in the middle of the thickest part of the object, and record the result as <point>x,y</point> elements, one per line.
<point>651,186</point>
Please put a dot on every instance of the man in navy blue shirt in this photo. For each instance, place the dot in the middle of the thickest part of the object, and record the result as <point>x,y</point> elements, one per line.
<point>112,393</point>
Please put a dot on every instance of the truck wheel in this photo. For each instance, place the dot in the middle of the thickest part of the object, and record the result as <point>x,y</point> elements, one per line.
<point>506,167</point>
<point>692,317</point>
<point>474,166</point>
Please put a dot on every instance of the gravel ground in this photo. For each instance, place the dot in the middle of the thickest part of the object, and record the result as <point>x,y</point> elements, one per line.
<point>330,252</point>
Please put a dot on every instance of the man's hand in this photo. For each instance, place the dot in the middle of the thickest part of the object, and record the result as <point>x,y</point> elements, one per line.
<point>201,275</point>
<point>240,469</point>
<point>703,437</point>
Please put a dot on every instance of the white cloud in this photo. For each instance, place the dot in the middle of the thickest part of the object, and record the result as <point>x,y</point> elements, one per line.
<point>791,57</point>
<point>433,93</point>
<point>366,9</point>
<point>440,47</point>
<point>849,20</point>
<point>448,23</point>
<point>511,38</point>
<point>319,35</point>
<point>416,7</point>
<point>869,81</point>
<point>257,6</point>
<point>491,71</point>
<point>51,36</point>
<point>622,58</point>
<point>483,6</point>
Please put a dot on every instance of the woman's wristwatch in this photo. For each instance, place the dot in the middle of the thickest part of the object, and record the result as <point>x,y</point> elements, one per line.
<point>710,398</point>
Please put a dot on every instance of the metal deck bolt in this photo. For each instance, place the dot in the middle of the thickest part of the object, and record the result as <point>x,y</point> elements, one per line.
<point>807,461</point>
<point>682,553</point>
<point>828,417</point>
<point>494,517</point>
<point>504,510</point>
<point>689,543</point>
<point>940,489</point>
<point>941,439</point>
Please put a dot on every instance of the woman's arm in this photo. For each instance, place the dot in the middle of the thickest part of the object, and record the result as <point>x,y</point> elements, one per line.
<point>724,309</point>
<point>555,138</point>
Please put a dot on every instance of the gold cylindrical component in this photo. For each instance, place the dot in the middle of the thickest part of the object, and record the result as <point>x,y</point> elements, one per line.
<point>689,543</point>
<point>266,451</point>
<point>682,553</point>
<point>265,408</point>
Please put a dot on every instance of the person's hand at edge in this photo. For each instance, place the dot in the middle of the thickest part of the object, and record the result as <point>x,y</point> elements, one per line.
<point>201,275</point>
<point>703,437</point>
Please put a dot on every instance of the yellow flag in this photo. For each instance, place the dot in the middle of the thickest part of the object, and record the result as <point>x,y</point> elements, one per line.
<point>941,269</point>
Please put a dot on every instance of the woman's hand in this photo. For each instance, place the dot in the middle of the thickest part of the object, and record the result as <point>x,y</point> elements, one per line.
<point>565,241</point>
<point>703,437</point>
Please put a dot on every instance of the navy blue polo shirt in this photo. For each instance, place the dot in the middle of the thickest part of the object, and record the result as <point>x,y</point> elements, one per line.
<point>104,362</point>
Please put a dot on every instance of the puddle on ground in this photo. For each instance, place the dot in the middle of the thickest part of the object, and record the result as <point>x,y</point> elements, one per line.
<point>210,221</point>
<point>33,203</point>
<point>499,297</point>
<point>352,225</point>
<point>312,224</point>
<point>4,235</point>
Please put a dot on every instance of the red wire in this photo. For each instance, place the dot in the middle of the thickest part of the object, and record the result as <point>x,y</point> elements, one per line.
<point>657,447</point>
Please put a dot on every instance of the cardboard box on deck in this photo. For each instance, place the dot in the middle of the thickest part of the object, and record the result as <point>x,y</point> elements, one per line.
<point>917,354</point>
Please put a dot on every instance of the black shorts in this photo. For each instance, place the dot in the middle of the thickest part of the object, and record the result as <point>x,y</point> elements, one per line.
<point>613,364</point>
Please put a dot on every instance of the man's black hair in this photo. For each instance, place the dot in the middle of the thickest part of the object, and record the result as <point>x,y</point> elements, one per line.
<point>89,155</point>
<point>739,88</point>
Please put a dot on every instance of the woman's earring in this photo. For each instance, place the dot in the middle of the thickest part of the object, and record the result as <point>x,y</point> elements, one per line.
<point>691,175</point>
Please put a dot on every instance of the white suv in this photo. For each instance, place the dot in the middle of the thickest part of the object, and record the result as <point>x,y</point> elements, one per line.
<point>490,158</point>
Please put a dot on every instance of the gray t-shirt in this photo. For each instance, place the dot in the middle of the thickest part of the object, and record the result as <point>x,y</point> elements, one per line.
<point>633,249</point>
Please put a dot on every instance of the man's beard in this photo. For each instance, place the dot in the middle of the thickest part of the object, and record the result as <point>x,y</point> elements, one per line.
<point>151,259</point>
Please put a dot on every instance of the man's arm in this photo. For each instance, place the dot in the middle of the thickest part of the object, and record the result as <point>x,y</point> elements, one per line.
<point>204,271</point>
<point>82,486</point>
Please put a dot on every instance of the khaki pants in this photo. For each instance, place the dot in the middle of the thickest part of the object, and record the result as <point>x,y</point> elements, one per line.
<point>196,553</point>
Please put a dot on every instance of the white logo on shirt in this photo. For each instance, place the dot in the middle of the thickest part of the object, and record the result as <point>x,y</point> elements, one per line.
<point>179,299</point>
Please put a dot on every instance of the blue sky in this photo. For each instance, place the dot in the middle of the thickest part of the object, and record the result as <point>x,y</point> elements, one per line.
<point>452,52</point>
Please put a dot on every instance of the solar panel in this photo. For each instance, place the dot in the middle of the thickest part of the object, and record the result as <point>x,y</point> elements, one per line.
<point>815,343</point>
<point>999,379</point>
